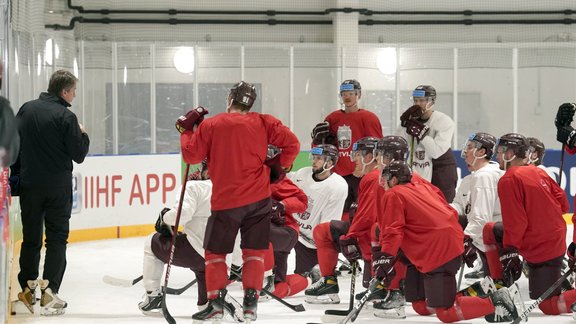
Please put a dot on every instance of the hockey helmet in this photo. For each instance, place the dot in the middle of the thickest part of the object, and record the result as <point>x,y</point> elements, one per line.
<point>480,140</point>
<point>328,151</point>
<point>364,146</point>
<point>398,169</point>
<point>350,85</point>
<point>243,93</point>
<point>538,148</point>
<point>513,141</point>
<point>392,147</point>
<point>424,91</point>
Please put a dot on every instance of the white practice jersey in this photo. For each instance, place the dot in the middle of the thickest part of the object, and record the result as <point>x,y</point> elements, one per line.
<point>325,201</point>
<point>432,146</point>
<point>477,198</point>
<point>195,212</point>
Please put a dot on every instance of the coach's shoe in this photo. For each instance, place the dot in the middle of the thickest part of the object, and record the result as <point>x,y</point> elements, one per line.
<point>324,291</point>
<point>250,304</point>
<point>28,295</point>
<point>50,303</point>
<point>151,303</point>
<point>504,308</point>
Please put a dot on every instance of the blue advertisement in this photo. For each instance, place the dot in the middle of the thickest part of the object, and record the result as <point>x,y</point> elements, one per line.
<point>552,163</point>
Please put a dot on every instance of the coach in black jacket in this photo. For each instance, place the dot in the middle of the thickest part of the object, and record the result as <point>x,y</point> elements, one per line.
<point>51,138</point>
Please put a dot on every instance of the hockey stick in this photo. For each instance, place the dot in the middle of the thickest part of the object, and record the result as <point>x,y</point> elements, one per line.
<point>356,311</point>
<point>339,312</point>
<point>121,282</point>
<point>461,275</point>
<point>544,296</point>
<point>561,164</point>
<point>296,308</point>
<point>165,312</point>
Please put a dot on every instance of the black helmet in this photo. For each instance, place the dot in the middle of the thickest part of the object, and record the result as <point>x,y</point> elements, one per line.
<point>392,147</point>
<point>514,141</point>
<point>350,85</point>
<point>424,91</point>
<point>328,151</point>
<point>243,93</point>
<point>398,169</point>
<point>538,147</point>
<point>483,140</point>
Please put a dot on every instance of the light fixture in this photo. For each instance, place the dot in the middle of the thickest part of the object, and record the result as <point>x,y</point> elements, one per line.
<point>125,75</point>
<point>16,63</point>
<point>386,60</point>
<point>48,51</point>
<point>184,60</point>
<point>75,68</point>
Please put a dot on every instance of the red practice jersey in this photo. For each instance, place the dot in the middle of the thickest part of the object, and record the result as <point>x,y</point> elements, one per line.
<point>532,208</point>
<point>236,145</point>
<point>414,217</point>
<point>365,215</point>
<point>293,198</point>
<point>349,128</point>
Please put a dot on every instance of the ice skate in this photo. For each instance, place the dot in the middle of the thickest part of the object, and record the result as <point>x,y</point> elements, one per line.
<point>28,295</point>
<point>250,305</point>
<point>476,274</point>
<point>314,274</point>
<point>573,308</point>
<point>233,309</point>
<point>504,308</point>
<point>151,304</point>
<point>213,312</point>
<point>50,303</point>
<point>378,295</point>
<point>392,306</point>
<point>514,291</point>
<point>345,270</point>
<point>480,288</point>
<point>324,291</point>
<point>269,286</point>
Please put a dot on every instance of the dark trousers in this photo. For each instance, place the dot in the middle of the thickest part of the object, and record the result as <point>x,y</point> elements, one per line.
<point>49,208</point>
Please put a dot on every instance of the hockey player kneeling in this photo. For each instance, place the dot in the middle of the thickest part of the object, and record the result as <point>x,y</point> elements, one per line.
<point>188,251</point>
<point>417,219</point>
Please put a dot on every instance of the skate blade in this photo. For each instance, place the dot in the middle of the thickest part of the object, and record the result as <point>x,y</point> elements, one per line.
<point>153,313</point>
<point>326,299</point>
<point>394,313</point>
<point>29,306</point>
<point>52,311</point>
<point>213,321</point>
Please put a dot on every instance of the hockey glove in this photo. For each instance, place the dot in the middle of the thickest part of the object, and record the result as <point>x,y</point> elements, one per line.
<point>470,254</point>
<point>417,129</point>
<point>320,132</point>
<point>412,113</point>
<point>349,247</point>
<point>277,172</point>
<point>566,135</point>
<point>192,118</point>
<point>278,217</point>
<point>511,265</point>
<point>383,266</point>
<point>571,255</point>
<point>565,114</point>
<point>164,229</point>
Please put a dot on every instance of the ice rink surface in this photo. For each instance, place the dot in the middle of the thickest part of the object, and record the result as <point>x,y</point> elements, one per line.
<point>90,300</point>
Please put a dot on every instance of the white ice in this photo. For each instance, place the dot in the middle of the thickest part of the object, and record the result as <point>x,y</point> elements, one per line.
<point>90,300</point>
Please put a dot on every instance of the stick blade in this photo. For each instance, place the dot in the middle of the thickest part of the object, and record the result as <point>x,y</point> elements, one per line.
<point>118,282</point>
<point>299,308</point>
<point>165,311</point>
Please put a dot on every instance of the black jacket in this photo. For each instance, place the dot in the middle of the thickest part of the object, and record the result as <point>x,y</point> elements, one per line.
<point>50,140</point>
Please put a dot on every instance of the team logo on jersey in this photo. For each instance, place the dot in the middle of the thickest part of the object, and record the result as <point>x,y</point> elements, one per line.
<point>344,137</point>
<point>420,155</point>
<point>304,216</point>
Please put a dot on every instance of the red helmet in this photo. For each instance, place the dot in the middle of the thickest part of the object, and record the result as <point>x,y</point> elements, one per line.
<point>243,93</point>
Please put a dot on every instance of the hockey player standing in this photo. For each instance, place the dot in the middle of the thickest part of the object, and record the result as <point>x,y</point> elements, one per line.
<point>235,144</point>
<point>343,128</point>
<point>532,226</point>
<point>416,218</point>
<point>430,134</point>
